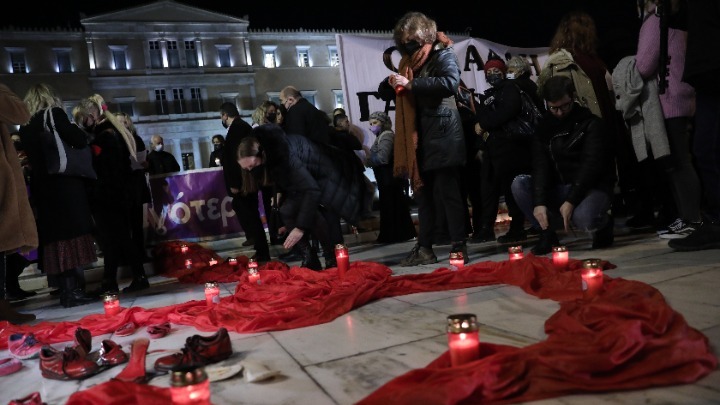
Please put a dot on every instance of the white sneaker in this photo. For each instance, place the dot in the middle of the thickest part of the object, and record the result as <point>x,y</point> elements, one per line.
<point>677,230</point>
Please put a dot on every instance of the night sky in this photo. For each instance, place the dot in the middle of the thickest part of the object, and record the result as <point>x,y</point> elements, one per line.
<point>522,23</point>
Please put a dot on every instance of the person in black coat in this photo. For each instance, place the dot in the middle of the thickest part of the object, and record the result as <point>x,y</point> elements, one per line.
<point>218,142</point>
<point>505,154</point>
<point>244,200</point>
<point>426,114</point>
<point>160,161</point>
<point>319,186</point>
<point>301,117</point>
<point>573,174</point>
<point>114,195</point>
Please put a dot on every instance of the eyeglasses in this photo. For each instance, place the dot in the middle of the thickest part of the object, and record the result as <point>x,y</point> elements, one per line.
<point>565,107</point>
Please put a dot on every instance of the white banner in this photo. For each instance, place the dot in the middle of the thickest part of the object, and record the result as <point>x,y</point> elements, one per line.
<point>362,69</point>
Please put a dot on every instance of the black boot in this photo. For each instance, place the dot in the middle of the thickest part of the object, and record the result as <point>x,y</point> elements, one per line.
<point>310,258</point>
<point>71,295</point>
<point>139,281</point>
<point>548,239</point>
<point>15,264</point>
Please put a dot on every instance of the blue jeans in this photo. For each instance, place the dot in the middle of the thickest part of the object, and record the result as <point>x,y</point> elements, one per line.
<point>590,215</point>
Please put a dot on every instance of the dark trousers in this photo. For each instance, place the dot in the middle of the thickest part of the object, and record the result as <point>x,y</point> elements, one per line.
<point>496,176</point>
<point>440,195</point>
<point>246,208</point>
<point>114,230</point>
<point>706,147</point>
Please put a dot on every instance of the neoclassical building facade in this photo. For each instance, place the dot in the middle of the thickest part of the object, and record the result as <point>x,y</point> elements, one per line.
<point>170,66</point>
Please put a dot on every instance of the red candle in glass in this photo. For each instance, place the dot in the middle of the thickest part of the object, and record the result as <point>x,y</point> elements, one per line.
<point>190,386</point>
<point>463,339</point>
<point>253,274</point>
<point>592,277</point>
<point>232,261</point>
<point>560,257</point>
<point>400,89</point>
<point>457,261</point>
<point>188,263</point>
<point>515,252</point>
<point>184,248</point>
<point>343,259</point>
<point>212,262</point>
<point>111,304</point>
<point>212,293</point>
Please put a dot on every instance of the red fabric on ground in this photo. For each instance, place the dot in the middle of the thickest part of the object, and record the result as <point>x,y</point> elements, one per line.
<point>625,338</point>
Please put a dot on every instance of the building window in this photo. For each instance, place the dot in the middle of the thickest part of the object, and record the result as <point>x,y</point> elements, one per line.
<point>309,95</point>
<point>303,56</point>
<point>188,161</point>
<point>191,58</point>
<point>223,55</point>
<point>62,56</point>
<point>173,54</point>
<point>339,98</point>
<point>334,56</point>
<point>155,54</point>
<point>270,56</point>
<point>179,101</point>
<point>126,105</point>
<point>161,102</point>
<point>119,54</point>
<point>17,60</point>
<point>196,103</point>
<point>229,98</point>
<point>274,96</point>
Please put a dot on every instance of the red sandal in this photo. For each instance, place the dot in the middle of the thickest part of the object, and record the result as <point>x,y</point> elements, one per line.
<point>126,329</point>
<point>159,330</point>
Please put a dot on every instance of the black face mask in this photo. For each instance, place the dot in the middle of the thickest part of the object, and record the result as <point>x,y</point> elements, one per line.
<point>224,124</point>
<point>411,47</point>
<point>494,79</point>
<point>217,146</point>
<point>18,146</point>
<point>271,117</point>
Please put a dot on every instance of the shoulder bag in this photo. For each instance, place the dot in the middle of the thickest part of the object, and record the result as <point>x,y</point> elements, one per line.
<point>528,118</point>
<point>60,157</point>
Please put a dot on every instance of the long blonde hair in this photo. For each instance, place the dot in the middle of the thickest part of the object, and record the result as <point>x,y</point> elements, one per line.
<point>96,101</point>
<point>40,97</point>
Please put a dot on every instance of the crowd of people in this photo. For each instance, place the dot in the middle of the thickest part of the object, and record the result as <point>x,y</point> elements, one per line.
<point>655,139</point>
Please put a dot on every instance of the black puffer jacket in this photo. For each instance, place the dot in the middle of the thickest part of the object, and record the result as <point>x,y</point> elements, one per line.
<point>576,151</point>
<point>441,142</point>
<point>312,173</point>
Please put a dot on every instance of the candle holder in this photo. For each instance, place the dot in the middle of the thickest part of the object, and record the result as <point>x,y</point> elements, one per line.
<point>188,263</point>
<point>463,339</point>
<point>190,386</point>
<point>515,252</point>
<point>342,258</point>
<point>212,293</point>
<point>560,257</point>
<point>400,90</point>
<point>184,248</point>
<point>232,261</point>
<point>457,261</point>
<point>212,262</point>
<point>253,273</point>
<point>111,302</point>
<point>592,277</point>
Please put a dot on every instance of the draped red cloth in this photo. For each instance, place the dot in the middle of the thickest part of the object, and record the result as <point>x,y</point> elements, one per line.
<point>627,337</point>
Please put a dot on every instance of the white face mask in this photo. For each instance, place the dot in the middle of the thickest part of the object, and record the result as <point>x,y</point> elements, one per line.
<point>510,76</point>
<point>159,147</point>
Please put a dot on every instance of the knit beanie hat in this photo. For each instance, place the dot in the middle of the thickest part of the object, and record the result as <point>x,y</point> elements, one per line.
<point>494,61</point>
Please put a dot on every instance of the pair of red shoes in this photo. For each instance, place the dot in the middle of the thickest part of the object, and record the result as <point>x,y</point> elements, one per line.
<point>198,351</point>
<point>78,362</point>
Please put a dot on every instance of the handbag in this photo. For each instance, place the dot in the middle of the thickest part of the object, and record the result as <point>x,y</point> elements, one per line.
<point>61,157</point>
<point>528,119</point>
<point>466,101</point>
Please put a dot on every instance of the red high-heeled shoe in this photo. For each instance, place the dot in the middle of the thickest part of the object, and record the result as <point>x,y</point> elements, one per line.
<point>135,369</point>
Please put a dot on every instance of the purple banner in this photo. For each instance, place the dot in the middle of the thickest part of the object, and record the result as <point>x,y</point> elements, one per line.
<point>191,205</point>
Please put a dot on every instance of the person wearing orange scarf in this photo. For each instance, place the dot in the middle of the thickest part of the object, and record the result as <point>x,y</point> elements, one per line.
<point>429,142</point>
